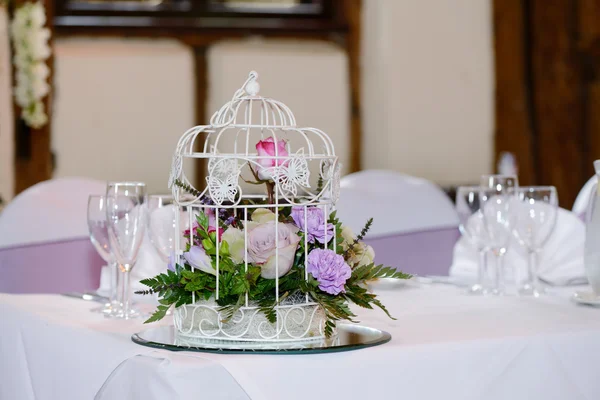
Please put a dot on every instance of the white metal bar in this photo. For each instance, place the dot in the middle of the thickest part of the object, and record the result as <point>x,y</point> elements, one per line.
<point>217,247</point>
<point>305,209</point>
<point>246,247</point>
<point>276,256</point>
<point>190,216</point>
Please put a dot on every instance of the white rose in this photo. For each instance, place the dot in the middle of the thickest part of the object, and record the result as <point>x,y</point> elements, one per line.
<point>361,254</point>
<point>235,240</point>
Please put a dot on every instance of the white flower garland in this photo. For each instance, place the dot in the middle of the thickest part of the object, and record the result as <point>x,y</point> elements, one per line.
<point>30,39</point>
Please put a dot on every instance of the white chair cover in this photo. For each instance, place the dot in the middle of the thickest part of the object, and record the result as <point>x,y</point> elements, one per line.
<point>398,203</point>
<point>50,211</point>
<point>581,202</point>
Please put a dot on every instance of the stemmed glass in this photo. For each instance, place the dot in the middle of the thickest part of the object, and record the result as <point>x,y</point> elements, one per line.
<point>126,217</point>
<point>162,223</point>
<point>536,218</point>
<point>472,228</point>
<point>497,200</point>
<point>97,226</point>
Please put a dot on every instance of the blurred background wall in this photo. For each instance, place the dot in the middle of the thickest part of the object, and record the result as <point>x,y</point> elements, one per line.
<point>121,104</point>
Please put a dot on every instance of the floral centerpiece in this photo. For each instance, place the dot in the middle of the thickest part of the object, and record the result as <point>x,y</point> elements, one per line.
<point>273,266</point>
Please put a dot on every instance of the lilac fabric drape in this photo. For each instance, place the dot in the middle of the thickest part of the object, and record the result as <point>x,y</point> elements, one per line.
<point>55,267</point>
<point>420,253</point>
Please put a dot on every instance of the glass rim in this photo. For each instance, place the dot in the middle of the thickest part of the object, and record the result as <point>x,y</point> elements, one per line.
<point>124,183</point>
<point>498,176</point>
<point>469,188</point>
<point>534,188</point>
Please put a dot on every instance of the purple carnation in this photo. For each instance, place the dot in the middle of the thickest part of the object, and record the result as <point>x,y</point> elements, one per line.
<point>329,269</point>
<point>315,223</point>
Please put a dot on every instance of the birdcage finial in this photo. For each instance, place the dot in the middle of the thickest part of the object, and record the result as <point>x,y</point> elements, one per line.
<point>252,87</point>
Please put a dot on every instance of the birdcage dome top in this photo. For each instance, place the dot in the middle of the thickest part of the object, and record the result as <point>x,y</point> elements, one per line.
<point>260,134</point>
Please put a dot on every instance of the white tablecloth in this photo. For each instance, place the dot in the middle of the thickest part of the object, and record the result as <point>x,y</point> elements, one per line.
<point>445,345</point>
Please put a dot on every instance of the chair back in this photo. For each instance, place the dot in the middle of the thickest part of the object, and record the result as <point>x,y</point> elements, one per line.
<point>415,224</point>
<point>53,267</point>
<point>44,239</point>
<point>49,211</point>
<point>398,203</point>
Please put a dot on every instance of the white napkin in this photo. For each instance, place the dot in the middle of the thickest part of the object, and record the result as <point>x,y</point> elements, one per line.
<point>148,264</point>
<point>560,262</point>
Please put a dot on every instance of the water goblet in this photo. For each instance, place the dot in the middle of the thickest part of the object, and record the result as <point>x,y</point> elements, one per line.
<point>472,228</point>
<point>126,217</point>
<point>162,224</point>
<point>497,198</point>
<point>98,229</point>
<point>537,211</point>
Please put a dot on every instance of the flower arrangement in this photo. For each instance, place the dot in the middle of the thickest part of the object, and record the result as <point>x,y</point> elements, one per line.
<point>300,248</point>
<point>30,40</point>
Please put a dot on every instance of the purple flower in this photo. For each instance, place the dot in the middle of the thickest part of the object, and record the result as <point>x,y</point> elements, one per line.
<point>315,223</point>
<point>172,262</point>
<point>329,269</point>
<point>198,259</point>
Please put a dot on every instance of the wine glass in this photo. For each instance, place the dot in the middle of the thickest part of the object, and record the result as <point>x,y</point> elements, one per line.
<point>126,217</point>
<point>472,228</point>
<point>98,228</point>
<point>162,224</point>
<point>497,199</point>
<point>536,218</point>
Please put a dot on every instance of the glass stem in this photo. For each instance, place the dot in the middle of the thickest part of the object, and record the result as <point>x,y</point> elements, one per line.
<point>532,275</point>
<point>126,295</point>
<point>119,286</point>
<point>482,267</point>
<point>114,282</point>
<point>499,272</point>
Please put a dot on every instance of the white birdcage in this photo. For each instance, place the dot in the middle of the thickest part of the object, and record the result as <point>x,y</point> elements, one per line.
<point>301,170</point>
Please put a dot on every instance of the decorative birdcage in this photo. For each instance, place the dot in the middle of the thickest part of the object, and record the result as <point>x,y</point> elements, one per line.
<point>263,174</point>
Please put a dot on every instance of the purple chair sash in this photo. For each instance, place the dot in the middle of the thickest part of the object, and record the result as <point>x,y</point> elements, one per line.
<point>56,267</point>
<point>420,253</point>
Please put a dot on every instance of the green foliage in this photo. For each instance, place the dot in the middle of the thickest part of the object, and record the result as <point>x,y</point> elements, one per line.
<point>360,237</point>
<point>202,220</point>
<point>372,271</point>
<point>187,188</point>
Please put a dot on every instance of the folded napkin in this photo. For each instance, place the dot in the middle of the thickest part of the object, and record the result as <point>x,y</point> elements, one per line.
<point>148,264</point>
<point>560,262</point>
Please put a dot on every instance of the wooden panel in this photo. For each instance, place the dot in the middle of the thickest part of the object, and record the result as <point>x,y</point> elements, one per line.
<point>201,68</point>
<point>353,16</point>
<point>514,132</point>
<point>558,110</point>
<point>589,48</point>
<point>33,161</point>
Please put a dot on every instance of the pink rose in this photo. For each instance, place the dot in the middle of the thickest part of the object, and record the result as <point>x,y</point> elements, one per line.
<point>267,149</point>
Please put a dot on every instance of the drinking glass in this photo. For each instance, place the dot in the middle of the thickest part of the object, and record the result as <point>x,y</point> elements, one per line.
<point>537,210</point>
<point>497,199</point>
<point>126,217</point>
<point>162,224</point>
<point>98,228</point>
<point>472,228</point>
